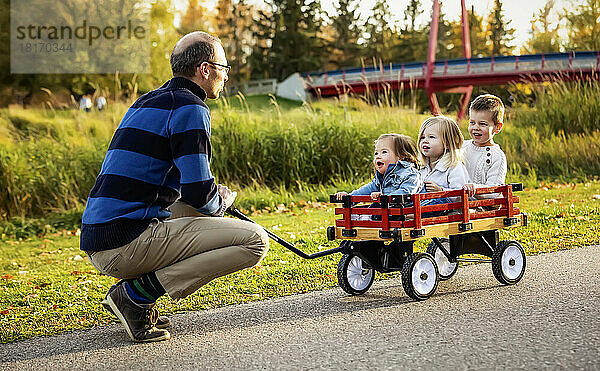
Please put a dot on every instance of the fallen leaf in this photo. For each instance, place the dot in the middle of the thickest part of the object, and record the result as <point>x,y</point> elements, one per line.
<point>7,277</point>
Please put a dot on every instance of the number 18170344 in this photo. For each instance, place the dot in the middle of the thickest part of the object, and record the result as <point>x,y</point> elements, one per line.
<point>36,48</point>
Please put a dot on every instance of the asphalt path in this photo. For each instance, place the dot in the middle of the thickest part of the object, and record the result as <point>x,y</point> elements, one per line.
<point>548,320</point>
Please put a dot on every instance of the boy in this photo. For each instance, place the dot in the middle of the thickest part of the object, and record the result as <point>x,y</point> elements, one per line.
<point>484,159</point>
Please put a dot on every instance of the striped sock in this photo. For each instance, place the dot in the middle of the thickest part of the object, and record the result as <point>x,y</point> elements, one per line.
<point>145,289</point>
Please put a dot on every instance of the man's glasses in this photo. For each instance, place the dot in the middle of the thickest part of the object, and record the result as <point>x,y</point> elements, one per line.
<point>226,67</point>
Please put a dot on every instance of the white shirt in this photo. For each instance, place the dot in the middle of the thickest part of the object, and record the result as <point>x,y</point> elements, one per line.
<point>486,165</point>
<point>453,177</point>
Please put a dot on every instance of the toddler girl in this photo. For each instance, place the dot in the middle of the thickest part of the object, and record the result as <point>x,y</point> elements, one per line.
<point>395,163</point>
<point>440,142</point>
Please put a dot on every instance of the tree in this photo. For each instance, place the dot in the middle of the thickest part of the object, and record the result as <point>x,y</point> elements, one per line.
<point>499,33</point>
<point>477,34</point>
<point>477,37</point>
<point>412,41</point>
<point>232,23</point>
<point>288,39</point>
<point>344,45</point>
<point>196,18</point>
<point>379,42</point>
<point>413,10</point>
<point>544,37</point>
<point>446,48</point>
<point>584,26</point>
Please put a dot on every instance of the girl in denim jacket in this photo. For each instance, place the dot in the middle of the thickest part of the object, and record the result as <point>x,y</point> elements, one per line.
<point>395,163</point>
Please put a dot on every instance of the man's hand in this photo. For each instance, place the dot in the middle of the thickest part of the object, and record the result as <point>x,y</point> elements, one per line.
<point>374,195</point>
<point>340,194</point>
<point>432,187</point>
<point>470,187</point>
<point>227,195</point>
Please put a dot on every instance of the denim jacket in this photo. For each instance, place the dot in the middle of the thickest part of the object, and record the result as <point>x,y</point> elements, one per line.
<point>399,179</point>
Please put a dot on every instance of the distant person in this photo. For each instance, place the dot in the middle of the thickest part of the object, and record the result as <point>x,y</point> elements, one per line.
<point>101,103</point>
<point>154,216</point>
<point>485,161</point>
<point>85,103</point>
<point>440,142</point>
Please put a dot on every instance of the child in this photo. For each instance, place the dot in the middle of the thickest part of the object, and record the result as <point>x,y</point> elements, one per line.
<point>484,159</point>
<point>395,163</point>
<point>440,142</point>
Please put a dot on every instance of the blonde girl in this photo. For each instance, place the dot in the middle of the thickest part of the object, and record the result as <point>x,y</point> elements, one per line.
<point>440,143</point>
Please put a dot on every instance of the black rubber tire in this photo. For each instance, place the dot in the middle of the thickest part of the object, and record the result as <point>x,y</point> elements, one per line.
<point>407,276</point>
<point>504,277</point>
<point>431,250</point>
<point>345,283</point>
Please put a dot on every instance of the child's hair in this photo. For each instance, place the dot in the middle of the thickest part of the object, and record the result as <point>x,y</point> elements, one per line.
<point>491,103</point>
<point>403,146</point>
<point>451,138</point>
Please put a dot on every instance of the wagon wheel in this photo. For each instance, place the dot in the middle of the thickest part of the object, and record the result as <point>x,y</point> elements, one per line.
<point>508,262</point>
<point>419,276</point>
<point>354,275</point>
<point>446,269</point>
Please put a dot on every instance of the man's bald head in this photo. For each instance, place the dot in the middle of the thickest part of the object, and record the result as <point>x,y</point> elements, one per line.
<point>191,49</point>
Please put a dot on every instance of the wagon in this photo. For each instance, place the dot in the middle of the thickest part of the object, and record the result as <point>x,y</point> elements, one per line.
<point>381,236</point>
<point>383,241</point>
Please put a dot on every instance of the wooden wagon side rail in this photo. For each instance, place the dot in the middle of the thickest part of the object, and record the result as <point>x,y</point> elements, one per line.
<point>403,216</point>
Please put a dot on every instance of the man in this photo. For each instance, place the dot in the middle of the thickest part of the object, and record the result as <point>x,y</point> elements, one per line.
<point>145,220</point>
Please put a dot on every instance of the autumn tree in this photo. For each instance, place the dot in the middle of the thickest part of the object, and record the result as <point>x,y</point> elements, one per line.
<point>544,36</point>
<point>583,25</point>
<point>233,22</point>
<point>195,18</point>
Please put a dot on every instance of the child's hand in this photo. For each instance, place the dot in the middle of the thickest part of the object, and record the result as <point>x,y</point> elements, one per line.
<point>470,189</point>
<point>375,195</point>
<point>340,194</point>
<point>432,187</point>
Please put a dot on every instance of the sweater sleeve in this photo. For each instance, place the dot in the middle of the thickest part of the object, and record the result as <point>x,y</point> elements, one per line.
<point>457,177</point>
<point>191,150</point>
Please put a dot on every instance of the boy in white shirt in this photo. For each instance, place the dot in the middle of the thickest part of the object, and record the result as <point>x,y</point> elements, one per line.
<point>485,161</point>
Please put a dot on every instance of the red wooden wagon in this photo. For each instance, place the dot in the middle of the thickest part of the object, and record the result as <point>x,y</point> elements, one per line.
<point>384,242</point>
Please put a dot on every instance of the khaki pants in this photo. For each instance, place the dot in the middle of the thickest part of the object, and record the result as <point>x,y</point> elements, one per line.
<point>186,251</point>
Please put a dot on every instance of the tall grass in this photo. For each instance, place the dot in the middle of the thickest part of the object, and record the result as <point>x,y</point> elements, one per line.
<point>49,159</point>
<point>554,107</point>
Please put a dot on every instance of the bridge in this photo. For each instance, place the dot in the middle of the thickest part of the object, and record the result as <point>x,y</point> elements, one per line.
<point>457,75</point>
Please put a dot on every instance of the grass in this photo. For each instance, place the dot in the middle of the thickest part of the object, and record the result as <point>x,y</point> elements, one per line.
<point>48,286</point>
<point>49,159</point>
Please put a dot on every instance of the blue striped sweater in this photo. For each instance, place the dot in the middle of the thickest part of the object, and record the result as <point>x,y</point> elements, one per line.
<point>159,153</point>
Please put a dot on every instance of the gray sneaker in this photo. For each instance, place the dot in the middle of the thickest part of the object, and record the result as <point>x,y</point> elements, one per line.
<point>138,319</point>
<point>161,321</point>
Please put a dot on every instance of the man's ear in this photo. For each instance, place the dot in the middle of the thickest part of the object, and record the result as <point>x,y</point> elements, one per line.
<point>203,71</point>
<point>498,127</point>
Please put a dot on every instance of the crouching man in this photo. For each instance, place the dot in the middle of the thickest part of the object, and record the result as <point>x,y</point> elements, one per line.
<point>154,218</point>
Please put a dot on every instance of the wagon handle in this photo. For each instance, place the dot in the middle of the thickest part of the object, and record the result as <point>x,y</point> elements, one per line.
<point>235,212</point>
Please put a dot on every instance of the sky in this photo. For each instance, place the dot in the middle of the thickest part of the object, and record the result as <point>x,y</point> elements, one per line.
<point>519,12</point>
